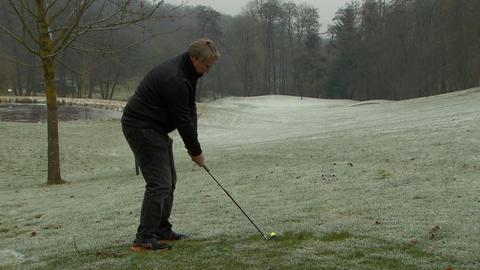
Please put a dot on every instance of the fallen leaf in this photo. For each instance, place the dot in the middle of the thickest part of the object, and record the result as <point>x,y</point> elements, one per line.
<point>434,232</point>
<point>53,227</point>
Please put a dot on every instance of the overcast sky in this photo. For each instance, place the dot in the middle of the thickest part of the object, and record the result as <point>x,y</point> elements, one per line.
<point>326,8</point>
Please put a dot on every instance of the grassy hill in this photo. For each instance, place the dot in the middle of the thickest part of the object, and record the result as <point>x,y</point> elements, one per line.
<point>345,185</point>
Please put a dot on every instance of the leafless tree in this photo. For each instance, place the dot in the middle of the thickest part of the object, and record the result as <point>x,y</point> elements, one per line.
<point>51,27</point>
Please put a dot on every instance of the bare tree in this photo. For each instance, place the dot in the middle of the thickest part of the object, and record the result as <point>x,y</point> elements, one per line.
<point>289,11</point>
<point>241,46</point>
<point>270,12</point>
<point>208,25</point>
<point>52,27</point>
<point>207,18</point>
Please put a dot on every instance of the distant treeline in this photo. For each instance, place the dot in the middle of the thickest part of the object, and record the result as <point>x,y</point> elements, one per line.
<point>404,49</point>
<point>375,49</point>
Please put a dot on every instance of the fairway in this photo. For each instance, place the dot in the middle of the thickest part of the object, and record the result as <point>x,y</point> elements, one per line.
<point>344,184</point>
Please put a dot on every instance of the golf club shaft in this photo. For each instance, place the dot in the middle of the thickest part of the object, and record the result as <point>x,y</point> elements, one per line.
<point>228,194</point>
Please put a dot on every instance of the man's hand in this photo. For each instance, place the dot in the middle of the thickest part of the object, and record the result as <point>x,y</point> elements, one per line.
<point>199,160</point>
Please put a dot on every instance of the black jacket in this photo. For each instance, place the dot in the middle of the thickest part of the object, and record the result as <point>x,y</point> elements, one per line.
<point>165,101</point>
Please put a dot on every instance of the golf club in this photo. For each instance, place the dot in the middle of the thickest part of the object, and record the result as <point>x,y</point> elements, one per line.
<point>272,235</point>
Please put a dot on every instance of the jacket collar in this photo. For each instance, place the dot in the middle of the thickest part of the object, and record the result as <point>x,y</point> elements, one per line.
<point>190,70</point>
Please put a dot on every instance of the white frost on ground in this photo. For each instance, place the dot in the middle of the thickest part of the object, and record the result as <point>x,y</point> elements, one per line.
<point>235,121</point>
<point>377,169</point>
<point>10,257</point>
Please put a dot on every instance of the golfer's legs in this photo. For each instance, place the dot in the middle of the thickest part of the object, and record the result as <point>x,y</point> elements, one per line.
<point>167,208</point>
<point>151,150</point>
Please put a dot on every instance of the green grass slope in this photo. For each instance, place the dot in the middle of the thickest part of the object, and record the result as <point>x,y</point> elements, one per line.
<point>345,185</point>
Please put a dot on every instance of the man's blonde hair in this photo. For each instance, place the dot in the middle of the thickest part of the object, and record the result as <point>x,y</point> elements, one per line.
<point>203,49</point>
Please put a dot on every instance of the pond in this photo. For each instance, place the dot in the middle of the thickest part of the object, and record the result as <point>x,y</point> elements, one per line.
<point>37,113</point>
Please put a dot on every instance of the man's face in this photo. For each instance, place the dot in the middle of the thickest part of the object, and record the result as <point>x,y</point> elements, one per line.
<point>202,67</point>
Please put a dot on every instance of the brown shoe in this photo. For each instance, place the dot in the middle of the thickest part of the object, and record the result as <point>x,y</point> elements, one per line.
<point>147,245</point>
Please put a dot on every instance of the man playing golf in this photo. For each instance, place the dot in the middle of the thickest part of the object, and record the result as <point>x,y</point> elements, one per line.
<point>165,101</point>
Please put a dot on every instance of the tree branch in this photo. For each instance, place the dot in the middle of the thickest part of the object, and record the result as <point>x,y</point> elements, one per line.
<point>15,61</point>
<point>22,20</point>
<point>26,7</point>
<point>51,4</point>
<point>67,66</point>
<point>19,40</point>
<point>61,41</point>
<point>97,25</point>
<point>54,17</point>
<point>70,34</point>
<point>102,51</point>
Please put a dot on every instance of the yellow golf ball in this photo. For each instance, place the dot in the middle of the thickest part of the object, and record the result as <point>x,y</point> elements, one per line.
<point>273,234</point>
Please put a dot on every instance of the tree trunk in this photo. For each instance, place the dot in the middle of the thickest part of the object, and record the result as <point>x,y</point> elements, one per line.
<point>17,79</point>
<point>54,176</point>
<point>46,49</point>
<point>79,83</point>
<point>112,90</point>
<point>91,85</point>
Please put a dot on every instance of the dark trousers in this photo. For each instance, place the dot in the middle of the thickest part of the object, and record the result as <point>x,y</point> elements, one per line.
<point>153,152</point>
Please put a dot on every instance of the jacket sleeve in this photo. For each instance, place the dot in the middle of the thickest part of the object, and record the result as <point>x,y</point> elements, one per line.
<point>183,114</point>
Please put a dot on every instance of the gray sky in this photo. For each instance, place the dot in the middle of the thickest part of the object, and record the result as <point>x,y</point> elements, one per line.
<point>326,8</point>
